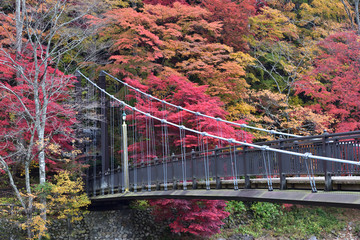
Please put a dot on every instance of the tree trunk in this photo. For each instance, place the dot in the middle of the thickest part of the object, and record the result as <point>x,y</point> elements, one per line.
<point>42,172</point>
<point>357,16</point>
<point>348,12</point>
<point>19,28</point>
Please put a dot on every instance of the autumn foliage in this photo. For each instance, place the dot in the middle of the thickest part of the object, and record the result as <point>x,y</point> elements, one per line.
<point>198,217</point>
<point>272,64</point>
<point>175,40</point>
<point>17,117</point>
<point>180,91</point>
<point>234,17</point>
<point>164,2</point>
<point>287,65</point>
<point>37,113</point>
<point>334,83</point>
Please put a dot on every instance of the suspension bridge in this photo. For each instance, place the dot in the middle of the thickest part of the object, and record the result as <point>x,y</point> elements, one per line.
<point>137,150</point>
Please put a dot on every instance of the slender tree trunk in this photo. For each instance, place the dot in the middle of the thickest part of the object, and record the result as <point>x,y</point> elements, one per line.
<point>351,16</point>
<point>19,28</point>
<point>42,172</point>
<point>42,165</point>
<point>357,16</point>
<point>19,32</point>
<point>19,18</point>
<point>40,124</point>
<point>41,134</point>
<point>348,12</point>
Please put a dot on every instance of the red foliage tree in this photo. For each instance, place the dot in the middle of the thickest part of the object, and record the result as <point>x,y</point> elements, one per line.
<point>334,83</point>
<point>164,2</point>
<point>198,217</point>
<point>234,17</point>
<point>181,92</point>
<point>18,109</point>
<point>168,40</point>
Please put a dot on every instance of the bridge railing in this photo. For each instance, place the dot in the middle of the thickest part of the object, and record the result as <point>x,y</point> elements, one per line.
<point>241,165</point>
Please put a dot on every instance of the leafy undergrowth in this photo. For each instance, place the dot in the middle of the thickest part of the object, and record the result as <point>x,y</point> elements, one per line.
<point>8,201</point>
<point>275,221</point>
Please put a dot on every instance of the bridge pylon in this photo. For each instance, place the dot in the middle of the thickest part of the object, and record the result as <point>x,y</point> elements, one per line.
<point>126,158</point>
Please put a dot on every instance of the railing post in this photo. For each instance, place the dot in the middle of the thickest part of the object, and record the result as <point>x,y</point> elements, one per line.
<point>108,180</point>
<point>102,182</point>
<point>337,168</point>
<point>218,182</point>
<point>119,187</point>
<point>173,171</point>
<point>281,165</point>
<point>143,184</point>
<point>135,169</point>
<point>326,153</point>
<point>104,127</point>
<point>246,173</point>
<point>193,169</point>
<point>156,166</point>
<point>125,160</point>
<point>296,164</point>
<point>94,175</point>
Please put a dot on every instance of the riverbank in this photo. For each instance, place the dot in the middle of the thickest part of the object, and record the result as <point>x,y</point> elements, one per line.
<point>268,221</point>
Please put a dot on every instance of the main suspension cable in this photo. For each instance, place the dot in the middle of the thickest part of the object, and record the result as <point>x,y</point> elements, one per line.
<point>200,114</point>
<point>205,134</point>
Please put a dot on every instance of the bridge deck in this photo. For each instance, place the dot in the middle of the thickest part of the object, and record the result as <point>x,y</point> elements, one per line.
<point>339,199</point>
<point>298,192</point>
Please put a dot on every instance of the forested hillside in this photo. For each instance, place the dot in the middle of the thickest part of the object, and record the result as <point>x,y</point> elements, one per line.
<point>276,64</point>
<point>286,65</point>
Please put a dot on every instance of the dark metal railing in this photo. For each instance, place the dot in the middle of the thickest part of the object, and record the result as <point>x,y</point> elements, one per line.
<point>249,164</point>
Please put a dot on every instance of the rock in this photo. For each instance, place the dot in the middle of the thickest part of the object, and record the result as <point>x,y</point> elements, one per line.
<point>248,237</point>
<point>312,238</point>
<point>241,237</point>
<point>105,225</point>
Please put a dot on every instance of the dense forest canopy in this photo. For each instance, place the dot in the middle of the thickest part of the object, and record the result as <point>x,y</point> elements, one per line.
<point>288,65</point>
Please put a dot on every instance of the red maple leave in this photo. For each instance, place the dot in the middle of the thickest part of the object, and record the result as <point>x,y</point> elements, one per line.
<point>18,109</point>
<point>334,83</point>
<point>198,217</point>
<point>181,92</point>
